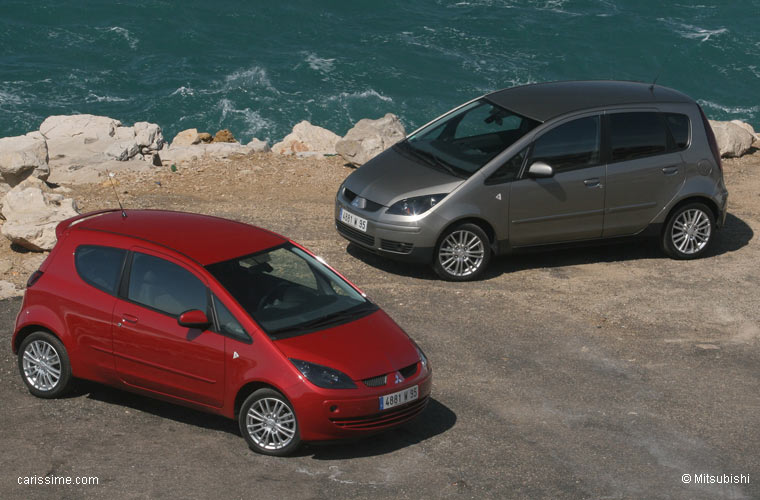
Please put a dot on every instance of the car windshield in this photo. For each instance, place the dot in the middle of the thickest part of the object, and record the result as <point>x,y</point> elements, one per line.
<point>288,292</point>
<point>462,142</point>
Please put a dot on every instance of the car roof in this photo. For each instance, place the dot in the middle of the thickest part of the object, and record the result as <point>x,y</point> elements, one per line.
<point>203,238</point>
<point>544,101</point>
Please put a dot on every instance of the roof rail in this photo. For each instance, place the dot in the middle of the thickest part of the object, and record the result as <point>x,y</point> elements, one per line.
<point>64,225</point>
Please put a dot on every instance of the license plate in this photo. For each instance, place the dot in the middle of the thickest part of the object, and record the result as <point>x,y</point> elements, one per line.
<point>353,220</point>
<point>399,398</point>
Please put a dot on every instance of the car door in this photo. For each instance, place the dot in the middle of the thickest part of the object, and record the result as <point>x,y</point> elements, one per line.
<point>152,351</point>
<point>645,169</point>
<point>568,205</point>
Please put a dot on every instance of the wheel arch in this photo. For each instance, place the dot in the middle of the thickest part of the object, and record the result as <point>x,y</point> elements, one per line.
<point>29,329</point>
<point>478,221</point>
<point>249,388</point>
<point>693,199</point>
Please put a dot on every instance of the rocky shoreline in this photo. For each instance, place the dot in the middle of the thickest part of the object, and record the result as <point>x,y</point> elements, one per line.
<point>41,171</point>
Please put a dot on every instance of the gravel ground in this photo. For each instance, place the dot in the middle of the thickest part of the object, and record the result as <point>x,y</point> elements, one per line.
<point>604,372</point>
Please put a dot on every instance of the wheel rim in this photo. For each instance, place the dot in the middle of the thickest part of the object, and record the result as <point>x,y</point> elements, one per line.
<point>691,231</point>
<point>42,365</point>
<point>271,423</point>
<point>461,253</point>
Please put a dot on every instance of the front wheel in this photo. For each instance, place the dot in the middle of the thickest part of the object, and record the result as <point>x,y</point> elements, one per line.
<point>462,254</point>
<point>268,423</point>
<point>44,365</point>
<point>689,231</point>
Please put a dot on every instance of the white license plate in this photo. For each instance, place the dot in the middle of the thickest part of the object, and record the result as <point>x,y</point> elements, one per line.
<point>399,398</point>
<point>353,220</point>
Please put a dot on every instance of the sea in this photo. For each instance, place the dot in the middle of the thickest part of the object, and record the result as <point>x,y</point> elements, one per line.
<point>259,67</point>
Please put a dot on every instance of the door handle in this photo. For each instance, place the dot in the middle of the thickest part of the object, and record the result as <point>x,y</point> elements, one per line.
<point>128,318</point>
<point>670,170</point>
<point>592,183</point>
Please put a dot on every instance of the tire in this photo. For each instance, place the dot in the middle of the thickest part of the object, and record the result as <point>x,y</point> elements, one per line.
<point>44,365</point>
<point>462,254</point>
<point>269,424</point>
<point>689,231</point>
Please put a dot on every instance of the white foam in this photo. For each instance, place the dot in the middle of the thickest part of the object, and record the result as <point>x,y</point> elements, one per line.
<point>254,122</point>
<point>125,34</point>
<point>105,98</point>
<point>360,95</point>
<point>183,91</point>
<point>692,32</point>
<point>254,76</point>
<point>8,98</point>
<point>320,64</point>
<point>729,109</point>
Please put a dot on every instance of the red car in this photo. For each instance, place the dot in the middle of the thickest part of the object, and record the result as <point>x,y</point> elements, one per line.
<point>220,316</point>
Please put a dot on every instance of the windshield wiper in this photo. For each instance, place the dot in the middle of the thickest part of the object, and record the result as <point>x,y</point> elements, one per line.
<point>318,323</point>
<point>430,158</point>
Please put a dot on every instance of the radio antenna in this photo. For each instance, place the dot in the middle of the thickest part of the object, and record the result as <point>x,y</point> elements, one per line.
<point>113,186</point>
<point>667,58</point>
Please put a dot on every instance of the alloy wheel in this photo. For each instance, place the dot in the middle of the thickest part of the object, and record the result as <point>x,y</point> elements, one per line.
<point>271,423</point>
<point>42,365</point>
<point>691,231</point>
<point>461,253</point>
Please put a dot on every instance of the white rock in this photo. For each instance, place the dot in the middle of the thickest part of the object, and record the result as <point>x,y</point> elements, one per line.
<point>307,137</point>
<point>186,138</point>
<point>747,127</point>
<point>258,146</point>
<point>123,150</point>
<point>32,212</point>
<point>87,127</point>
<point>23,156</point>
<point>149,135</point>
<point>216,150</point>
<point>733,140</point>
<point>8,290</point>
<point>368,138</point>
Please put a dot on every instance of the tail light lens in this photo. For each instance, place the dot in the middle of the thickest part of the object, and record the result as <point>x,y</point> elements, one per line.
<point>36,275</point>
<point>711,139</point>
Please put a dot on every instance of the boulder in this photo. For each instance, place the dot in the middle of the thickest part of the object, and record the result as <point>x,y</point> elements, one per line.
<point>306,137</point>
<point>368,138</point>
<point>88,128</point>
<point>224,136</point>
<point>733,140</point>
<point>215,150</point>
<point>123,150</point>
<point>186,138</point>
<point>23,156</point>
<point>258,146</point>
<point>205,137</point>
<point>747,127</point>
<point>32,212</point>
<point>148,135</point>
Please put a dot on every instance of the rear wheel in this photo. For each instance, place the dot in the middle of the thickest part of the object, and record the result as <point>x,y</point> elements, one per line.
<point>689,231</point>
<point>268,423</point>
<point>44,365</point>
<point>462,254</point>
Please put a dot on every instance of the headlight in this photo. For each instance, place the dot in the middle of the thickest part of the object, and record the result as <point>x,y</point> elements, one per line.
<point>423,359</point>
<point>322,376</point>
<point>416,205</point>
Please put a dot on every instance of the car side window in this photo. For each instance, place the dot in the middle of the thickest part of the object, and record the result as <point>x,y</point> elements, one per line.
<point>570,146</point>
<point>100,266</point>
<point>680,128</point>
<point>509,171</point>
<point>228,325</point>
<point>636,135</point>
<point>165,286</point>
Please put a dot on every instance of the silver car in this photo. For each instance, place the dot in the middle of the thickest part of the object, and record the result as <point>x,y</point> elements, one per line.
<point>537,165</point>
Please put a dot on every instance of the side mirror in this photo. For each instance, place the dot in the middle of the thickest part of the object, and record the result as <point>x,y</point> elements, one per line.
<point>194,318</point>
<point>540,170</point>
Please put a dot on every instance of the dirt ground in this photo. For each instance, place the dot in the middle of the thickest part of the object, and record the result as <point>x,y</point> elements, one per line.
<point>602,372</point>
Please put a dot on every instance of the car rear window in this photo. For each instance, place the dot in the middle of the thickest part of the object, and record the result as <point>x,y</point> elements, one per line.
<point>637,135</point>
<point>100,266</point>
<point>679,126</point>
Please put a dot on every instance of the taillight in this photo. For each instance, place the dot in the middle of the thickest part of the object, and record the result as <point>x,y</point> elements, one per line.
<point>711,139</point>
<point>36,275</point>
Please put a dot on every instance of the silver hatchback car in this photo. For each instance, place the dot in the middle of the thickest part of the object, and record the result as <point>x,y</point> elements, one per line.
<point>536,165</point>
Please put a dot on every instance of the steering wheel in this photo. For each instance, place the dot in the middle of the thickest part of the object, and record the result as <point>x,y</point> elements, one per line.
<point>275,293</point>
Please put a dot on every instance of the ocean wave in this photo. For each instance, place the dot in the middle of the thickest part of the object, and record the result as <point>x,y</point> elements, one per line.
<point>253,122</point>
<point>183,91</point>
<point>254,76</point>
<point>359,95</point>
<point>131,40</point>
<point>91,97</point>
<point>692,32</point>
<point>732,110</point>
<point>320,64</point>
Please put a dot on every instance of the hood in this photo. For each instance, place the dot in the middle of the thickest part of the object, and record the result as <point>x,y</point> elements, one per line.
<point>370,346</point>
<point>393,175</point>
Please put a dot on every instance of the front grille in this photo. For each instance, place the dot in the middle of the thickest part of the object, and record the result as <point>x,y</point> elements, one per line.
<point>370,205</point>
<point>408,371</point>
<point>396,246</point>
<point>376,381</point>
<point>355,234</point>
<point>387,418</point>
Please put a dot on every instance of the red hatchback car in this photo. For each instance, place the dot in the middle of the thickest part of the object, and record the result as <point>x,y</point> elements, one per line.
<point>219,316</point>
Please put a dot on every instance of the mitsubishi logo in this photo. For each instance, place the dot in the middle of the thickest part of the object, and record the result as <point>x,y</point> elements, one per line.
<point>399,378</point>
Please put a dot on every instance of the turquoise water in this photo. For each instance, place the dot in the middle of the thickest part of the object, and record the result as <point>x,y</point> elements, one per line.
<point>258,68</point>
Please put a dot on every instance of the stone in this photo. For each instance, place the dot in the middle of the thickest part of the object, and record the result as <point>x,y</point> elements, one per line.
<point>33,262</point>
<point>149,135</point>
<point>123,151</point>
<point>216,150</point>
<point>23,156</point>
<point>205,137</point>
<point>5,266</point>
<point>259,146</point>
<point>307,137</point>
<point>747,127</point>
<point>186,138</point>
<point>224,136</point>
<point>32,211</point>
<point>85,127</point>
<point>368,138</point>
<point>733,140</point>
<point>8,290</point>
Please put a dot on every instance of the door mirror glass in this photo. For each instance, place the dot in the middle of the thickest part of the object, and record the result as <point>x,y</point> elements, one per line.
<point>540,169</point>
<point>194,318</point>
